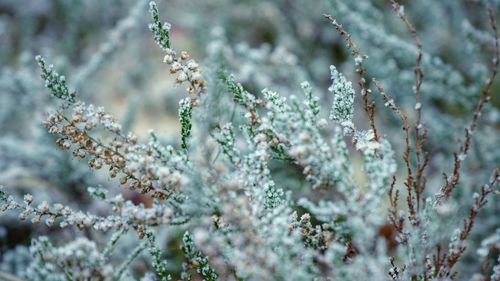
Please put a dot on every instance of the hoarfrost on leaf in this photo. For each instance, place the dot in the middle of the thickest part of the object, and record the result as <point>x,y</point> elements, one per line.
<point>343,98</point>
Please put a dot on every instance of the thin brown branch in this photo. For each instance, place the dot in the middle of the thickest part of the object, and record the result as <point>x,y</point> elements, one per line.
<point>368,106</point>
<point>409,183</point>
<point>450,182</point>
<point>419,137</point>
<point>394,218</point>
<point>445,266</point>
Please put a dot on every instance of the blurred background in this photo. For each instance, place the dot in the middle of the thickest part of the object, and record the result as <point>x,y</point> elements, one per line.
<point>110,59</point>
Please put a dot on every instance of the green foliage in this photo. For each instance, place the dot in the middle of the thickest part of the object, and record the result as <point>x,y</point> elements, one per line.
<point>185,112</point>
<point>54,82</point>
<point>161,31</point>
<point>240,96</point>
<point>159,264</point>
<point>196,260</point>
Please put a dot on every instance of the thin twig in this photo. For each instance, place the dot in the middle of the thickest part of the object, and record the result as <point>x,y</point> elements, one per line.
<point>419,137</point>
<point>369,106</point>
<point>450,182</point>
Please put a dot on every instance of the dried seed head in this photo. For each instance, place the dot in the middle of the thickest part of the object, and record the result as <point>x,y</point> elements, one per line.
<point>192,65</point>
<point>182,77</point>
<point>98,164</point>
<point>168,59</point>
<point>175,67</point>
<point>123,180</point>
<point>89,126</point>
<point>184,55</point>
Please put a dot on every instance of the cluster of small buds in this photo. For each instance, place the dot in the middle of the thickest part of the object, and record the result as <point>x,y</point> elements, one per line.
<point>156,215</point>
<point>79,259</point>
<point>138,165</point>
<point>187,70</point>
<point>317,237</point>
<point>50,213</point>
<point>217,221</point>
<point>126,213</point>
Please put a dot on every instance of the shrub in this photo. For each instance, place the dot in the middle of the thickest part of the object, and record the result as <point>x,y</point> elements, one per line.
<point>267,186</point>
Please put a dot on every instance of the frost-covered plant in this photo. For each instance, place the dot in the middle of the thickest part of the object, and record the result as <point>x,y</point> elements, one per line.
<point>272,184</point>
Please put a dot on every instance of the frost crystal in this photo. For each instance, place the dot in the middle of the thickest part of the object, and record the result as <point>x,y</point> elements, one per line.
<point>343,98</point>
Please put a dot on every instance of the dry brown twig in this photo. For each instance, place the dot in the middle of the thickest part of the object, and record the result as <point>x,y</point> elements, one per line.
<point>450,182</point>
<point>369,106</point>
<point>415,179</point>
<point>406,154</point>
<point>445,263</point>
<point>420,131</point>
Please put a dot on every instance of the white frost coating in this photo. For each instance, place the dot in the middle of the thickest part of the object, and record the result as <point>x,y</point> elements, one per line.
<point>342,109</point>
